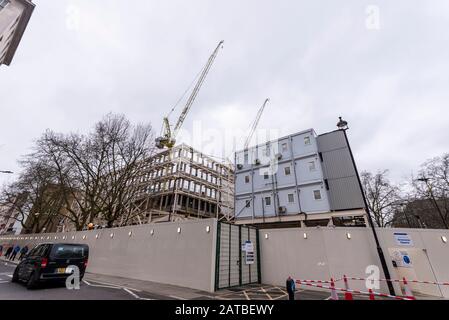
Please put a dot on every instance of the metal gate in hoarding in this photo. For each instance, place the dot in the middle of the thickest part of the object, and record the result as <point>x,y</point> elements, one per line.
<point>237,256</point>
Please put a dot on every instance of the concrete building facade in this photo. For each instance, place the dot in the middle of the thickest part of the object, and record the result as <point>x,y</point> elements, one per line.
<point>302,179</point>
<point>14,17</point>
<point>9,220</point>
<point>182,183</point>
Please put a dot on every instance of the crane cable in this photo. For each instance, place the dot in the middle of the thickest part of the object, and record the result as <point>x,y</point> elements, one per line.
<point>250,128</point>
<point>182,97</point>
<point>194,81</point>
<point>185,92</point>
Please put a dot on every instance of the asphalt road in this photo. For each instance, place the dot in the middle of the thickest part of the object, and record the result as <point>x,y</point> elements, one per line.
<point>88,290</point>
<point>111,289</point>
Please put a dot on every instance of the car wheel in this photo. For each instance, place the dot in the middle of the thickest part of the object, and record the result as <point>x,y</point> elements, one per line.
<point>15,276</point>
<point>33,280</point>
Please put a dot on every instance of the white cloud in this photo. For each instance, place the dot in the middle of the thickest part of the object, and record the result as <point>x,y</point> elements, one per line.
<point>315,60</point>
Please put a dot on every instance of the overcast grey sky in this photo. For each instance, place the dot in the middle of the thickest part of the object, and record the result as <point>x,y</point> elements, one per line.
<point>316,60</point>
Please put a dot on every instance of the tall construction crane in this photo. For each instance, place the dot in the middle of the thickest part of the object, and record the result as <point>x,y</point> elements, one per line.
<point>168,138</point>
<point>255,123</point>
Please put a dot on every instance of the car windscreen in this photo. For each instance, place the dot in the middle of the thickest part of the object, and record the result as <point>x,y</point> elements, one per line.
<point>65,251</point>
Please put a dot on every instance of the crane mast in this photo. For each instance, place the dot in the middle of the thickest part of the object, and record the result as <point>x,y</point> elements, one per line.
<point>255,123</point>
<point>168,138</point>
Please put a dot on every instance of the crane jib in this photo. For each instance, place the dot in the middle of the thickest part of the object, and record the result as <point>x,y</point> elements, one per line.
<point>168,138</point>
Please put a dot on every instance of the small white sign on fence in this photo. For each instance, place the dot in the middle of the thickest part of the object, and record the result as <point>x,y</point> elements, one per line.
<point>248,247</point>
<point>403,239</point>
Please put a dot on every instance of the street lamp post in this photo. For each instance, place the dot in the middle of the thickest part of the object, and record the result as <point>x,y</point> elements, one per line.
<point>432,197</point>
<point>343,126</point>
<point>402,209</point>
<point>421,224</point>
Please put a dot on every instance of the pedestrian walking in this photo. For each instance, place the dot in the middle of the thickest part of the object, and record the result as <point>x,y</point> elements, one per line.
<point>291,288</point>
<point>23,253</point>
<point>8,252</point>
<point>1,250</point>
<point>14,253</point>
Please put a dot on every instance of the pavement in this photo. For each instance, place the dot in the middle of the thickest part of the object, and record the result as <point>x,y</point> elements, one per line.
<point>104,287</point>
<point>18,291</point>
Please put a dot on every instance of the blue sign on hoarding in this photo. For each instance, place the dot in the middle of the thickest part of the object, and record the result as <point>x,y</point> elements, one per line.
<point>406,259</point>
<point>403,239</point>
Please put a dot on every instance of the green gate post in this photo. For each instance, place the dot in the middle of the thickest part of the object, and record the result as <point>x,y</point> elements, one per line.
<point>217,256</point>
<point>240,255</point>
<point>259,274</point>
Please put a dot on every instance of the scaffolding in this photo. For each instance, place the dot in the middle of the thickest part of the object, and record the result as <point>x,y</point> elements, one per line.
<point>182,183</point>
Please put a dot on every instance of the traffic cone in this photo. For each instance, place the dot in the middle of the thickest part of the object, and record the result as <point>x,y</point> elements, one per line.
<point>408,292</point>
<point>334,295</point>
<point>371,294</point>
<point>348,295</point>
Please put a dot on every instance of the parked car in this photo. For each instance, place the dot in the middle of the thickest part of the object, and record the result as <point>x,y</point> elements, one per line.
<point>51,262</point>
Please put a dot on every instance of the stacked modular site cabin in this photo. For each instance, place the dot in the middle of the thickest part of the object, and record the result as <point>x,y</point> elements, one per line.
<point>303,179</point>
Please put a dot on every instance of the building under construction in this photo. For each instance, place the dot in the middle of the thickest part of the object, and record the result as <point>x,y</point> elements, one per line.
<point>182,183</point>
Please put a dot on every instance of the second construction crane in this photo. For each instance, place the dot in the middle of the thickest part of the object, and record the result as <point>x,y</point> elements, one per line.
<point>255,123</point>
<point>168,138</point>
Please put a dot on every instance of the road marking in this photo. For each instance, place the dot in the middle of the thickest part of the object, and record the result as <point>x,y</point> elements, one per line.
<point>117,287</point>
<point>177,298</point>
<point>100,286</point>
<point>131,293</point>
<point>264,291</point>
<point>114,285</point>
<point>9,265</point>
<point>246,295</point>
<point>285,292</point>
<point>1,281</point>
<point>135,295</point>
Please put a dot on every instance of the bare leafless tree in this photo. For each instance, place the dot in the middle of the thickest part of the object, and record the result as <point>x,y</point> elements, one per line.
<point>33,199</point>
<point>127,149</point>
<point>98,172</point>
<point>432,184</point>
<point>382,196</point>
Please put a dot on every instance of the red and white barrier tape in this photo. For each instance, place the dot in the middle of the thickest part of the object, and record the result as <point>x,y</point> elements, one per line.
<point>305,283</point>
<point>316,281</point>
<point>398,280</point>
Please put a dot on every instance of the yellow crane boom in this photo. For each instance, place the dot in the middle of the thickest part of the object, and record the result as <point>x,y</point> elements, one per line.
<point>168,138</point>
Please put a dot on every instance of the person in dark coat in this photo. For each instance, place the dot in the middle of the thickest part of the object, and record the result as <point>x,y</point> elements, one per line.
<point>291,288</point>
<point>1,250</point>
<point>8,252</point>
<point>23,253</point>
<point>14,253</point>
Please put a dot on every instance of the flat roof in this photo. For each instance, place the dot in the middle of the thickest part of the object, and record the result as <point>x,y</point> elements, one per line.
<point>275,140</point>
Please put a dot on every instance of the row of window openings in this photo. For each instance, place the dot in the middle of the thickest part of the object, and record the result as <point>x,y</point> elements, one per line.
<point>10,28</point>
<point>3,3</point>
<point>8,42</point>
<point>181,184</point>
<point>287,172</point>
<point>290,198</point>
<point>183,167</point>
<point>196,157</point>
<point>284,148</point>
